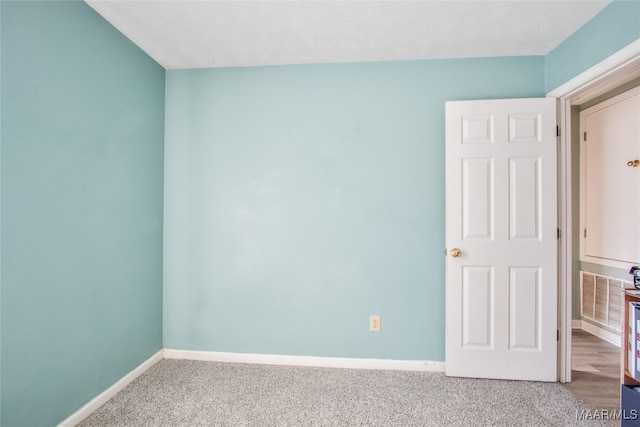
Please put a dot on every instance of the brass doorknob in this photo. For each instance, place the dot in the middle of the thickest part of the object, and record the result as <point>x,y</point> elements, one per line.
<point>633,163</point>
<point>455,252</point>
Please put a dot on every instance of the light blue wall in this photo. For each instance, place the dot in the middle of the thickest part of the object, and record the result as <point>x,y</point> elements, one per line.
<point>82,188</point>
<point>612,29</point>
<point>299,200</point>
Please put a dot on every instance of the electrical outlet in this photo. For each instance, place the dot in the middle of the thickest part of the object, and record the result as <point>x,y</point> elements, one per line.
<point>374,323</point>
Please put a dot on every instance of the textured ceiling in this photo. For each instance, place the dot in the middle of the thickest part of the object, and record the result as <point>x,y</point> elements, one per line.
<point>201,34</point>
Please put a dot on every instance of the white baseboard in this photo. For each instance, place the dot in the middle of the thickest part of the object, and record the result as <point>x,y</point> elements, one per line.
<point>576,324</point>
<point>82,413</point>
<point>311,361</point>
<point>601,333</point>
<point>262,359</point>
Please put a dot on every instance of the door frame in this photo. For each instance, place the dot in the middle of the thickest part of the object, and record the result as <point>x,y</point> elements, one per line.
<point>619,68</point>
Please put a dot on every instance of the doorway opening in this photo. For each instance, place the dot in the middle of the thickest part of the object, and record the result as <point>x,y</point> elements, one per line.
<point>614,72</point>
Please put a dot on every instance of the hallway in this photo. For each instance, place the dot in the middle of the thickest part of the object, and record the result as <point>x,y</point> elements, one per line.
<point>595,371</point>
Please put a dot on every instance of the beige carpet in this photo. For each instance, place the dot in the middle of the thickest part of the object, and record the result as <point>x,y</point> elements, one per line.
<point>190,393</point>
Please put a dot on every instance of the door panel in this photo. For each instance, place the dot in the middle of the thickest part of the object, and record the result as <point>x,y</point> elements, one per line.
<point>524,319</point>
<point>477,182</point>
<point>501,214</point>
<point>524,198</point>
<point>477,297</point>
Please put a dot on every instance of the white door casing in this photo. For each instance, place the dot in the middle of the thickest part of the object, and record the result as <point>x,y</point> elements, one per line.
<point>621,67</point>
<point>501,210</point>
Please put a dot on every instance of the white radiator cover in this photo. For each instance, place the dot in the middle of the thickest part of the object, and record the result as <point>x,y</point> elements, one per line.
<point>601,300</point>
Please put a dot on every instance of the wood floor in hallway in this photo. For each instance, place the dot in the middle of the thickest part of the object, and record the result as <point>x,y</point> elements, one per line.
<point>595,373</point>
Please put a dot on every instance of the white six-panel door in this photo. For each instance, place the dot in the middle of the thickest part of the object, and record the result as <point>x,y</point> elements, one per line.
<point>501,236</point>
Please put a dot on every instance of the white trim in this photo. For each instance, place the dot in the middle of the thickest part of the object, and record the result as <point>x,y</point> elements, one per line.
<point>614,70</point>
<point>261,359</point>
<point>601,333</point>
<point>576,324</point>
<point>310,361</point>
<point>625,57</point>
<point>82,413</point>
<point>564,252</point>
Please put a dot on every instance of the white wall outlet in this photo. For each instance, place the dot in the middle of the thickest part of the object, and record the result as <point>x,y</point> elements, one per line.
<point>374,323</point>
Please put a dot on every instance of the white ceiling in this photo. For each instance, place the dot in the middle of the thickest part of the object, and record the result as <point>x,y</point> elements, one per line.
<point>202,34</point>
